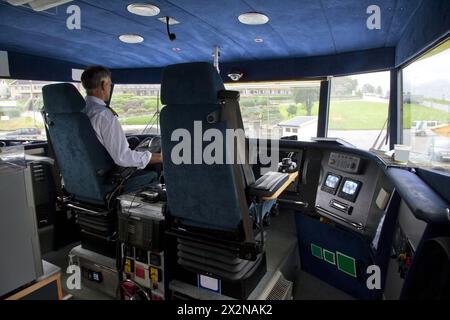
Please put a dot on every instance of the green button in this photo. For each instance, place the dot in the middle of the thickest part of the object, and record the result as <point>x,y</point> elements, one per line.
<point>346,264</point>
<point>316,251</point>
<point>329,256</point>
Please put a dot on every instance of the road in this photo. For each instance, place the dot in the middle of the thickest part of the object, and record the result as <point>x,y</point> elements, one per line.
<point>437,106</point>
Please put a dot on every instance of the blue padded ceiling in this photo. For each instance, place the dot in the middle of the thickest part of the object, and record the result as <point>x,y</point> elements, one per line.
<point>297,29</point>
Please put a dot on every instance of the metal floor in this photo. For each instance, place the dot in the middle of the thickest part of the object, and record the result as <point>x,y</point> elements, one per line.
<point>306,286</point>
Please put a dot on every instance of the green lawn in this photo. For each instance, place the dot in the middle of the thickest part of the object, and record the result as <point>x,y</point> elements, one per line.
<point>360,115</point>
<point>414,112</point>
<point>136,120</point>
<point>16,123</point>
<point>441,101</point>
<point>357,115</point>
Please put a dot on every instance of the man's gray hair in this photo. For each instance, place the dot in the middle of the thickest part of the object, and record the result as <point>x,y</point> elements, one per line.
<point>93,76</point>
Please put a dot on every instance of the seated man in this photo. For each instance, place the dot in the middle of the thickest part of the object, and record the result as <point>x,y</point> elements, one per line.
<point>97,82</point>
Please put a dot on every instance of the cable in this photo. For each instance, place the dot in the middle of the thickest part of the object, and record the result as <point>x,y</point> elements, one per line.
<point>172,36</point>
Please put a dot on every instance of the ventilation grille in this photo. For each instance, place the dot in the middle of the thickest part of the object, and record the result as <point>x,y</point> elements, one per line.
<point>278,289</point>
<point>38,172</point>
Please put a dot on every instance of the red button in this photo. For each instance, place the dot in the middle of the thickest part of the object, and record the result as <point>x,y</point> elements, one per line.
<point>140,272</point>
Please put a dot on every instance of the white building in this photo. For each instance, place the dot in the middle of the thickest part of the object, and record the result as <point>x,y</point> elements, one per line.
<point>304,127</point>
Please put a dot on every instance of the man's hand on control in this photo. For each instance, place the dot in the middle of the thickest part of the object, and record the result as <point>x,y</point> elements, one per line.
<point>156,158</point>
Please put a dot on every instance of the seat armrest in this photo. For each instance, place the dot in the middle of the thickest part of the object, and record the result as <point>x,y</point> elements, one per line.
<point>271,185</point>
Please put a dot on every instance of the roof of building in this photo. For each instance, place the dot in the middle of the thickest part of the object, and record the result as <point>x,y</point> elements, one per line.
<point>297,121</point>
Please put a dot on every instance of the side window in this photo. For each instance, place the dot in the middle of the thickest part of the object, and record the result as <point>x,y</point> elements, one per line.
<point>426,108</point>
<point>359,107</point>
<point>20,109</point>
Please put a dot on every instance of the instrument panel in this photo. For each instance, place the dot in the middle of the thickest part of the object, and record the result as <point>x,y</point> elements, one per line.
<point>352,191</point>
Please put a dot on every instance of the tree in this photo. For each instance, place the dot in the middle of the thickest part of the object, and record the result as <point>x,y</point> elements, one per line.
<point>307,97</point>
<point>368,88</point>
<point>343,86</point>
<point>379,91</point>
<point>292,109</point>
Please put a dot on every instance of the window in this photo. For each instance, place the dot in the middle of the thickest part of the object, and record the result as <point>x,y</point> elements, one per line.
<point>426,108</point>
<point>20,109</point>
<point>137,106</point>
<point>359,107</point>
<point>21,104</point>
<point>271,110</point>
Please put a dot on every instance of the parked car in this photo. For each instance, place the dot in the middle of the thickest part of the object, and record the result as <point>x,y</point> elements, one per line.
<point>24,133</point>
<point>440,149</point>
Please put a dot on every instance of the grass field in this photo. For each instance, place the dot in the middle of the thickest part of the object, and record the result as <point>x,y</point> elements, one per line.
<point>414,112</point>
<point>136,120</point>
<point>365,115</point>
<point>16,123</point>
<point>357,115</point>
<point>440,101</point>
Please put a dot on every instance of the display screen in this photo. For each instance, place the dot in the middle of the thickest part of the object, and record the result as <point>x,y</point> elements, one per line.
<point>350,187</point>
<point>332,181</point>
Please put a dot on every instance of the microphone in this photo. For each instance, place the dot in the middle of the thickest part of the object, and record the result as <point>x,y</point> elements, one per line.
<point>172,36</point>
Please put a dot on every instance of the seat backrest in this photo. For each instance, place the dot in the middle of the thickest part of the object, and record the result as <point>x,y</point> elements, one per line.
<point>83,161</point>
<point>203,195</point>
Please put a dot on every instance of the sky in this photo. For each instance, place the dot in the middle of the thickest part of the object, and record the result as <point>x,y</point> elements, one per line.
<point>416,75</point>
<point>430,69</point>
<point>375,79</point>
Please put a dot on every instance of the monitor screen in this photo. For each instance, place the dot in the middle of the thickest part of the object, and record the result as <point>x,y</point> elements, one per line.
<point>350,187</point>
<point>332,181</point>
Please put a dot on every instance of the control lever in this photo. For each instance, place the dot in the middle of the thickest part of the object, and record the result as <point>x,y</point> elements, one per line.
<point>287,165</point>
<point>304,205</point>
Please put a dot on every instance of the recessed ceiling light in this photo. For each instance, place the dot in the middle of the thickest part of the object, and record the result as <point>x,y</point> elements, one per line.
<point>259,40</point>
<point>39,5</point>
<point>253,18</point>
<point>143,9</point>
<point>131,38</point>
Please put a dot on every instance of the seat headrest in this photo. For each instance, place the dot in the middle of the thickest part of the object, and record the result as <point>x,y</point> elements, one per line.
<point>190,83</point>
<point>62,98</point>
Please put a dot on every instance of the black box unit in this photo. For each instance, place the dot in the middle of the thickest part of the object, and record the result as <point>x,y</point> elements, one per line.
<point>238,289</point>
<point>106,246</point>
<point>141,224</point>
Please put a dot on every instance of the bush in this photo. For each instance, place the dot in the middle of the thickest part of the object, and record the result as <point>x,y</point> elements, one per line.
<point>261,100</point>
<point>13,113</point>
<point>150,104</point>
<point>247,102</point>
<point>292,109</point>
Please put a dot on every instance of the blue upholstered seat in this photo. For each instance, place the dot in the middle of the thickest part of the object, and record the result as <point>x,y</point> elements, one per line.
<point>200,195</point>
<point>83,161</point>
